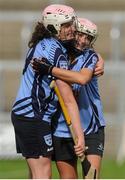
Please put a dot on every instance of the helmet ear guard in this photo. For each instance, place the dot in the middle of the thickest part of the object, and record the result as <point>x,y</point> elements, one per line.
<point>87,27</point>
<point>52,29</point>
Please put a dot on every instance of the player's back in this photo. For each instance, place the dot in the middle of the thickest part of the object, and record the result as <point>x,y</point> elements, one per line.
<point>34,95</point>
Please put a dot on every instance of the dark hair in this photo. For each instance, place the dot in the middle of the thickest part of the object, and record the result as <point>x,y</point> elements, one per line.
<point>39,33</point>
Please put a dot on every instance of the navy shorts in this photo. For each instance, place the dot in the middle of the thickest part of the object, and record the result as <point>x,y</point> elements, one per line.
<point>64,147</point>
<point>33,137</point>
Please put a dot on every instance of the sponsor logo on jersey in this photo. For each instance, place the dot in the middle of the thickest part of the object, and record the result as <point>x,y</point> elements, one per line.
<point>49,149</point>
<point>100,147</point>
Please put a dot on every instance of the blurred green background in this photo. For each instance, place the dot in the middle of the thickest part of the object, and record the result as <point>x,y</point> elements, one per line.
<point>17,169</point>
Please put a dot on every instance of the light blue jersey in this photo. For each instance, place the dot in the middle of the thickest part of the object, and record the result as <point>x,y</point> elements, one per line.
<point>35,99</point>
<point>89,103</point>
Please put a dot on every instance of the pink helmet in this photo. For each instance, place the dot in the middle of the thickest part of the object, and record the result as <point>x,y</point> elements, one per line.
<point>56,14</point>
<point>87,27</point>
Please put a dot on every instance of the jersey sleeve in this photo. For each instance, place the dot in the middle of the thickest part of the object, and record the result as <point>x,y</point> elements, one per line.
<point>91,61</point>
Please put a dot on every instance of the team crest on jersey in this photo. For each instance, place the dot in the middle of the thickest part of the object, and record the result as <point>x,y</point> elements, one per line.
<point>48,139</point>
<point>63,64</point>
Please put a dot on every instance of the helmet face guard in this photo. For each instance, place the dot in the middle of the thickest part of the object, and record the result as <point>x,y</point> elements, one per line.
<point>55,15</point>
<point>87,27</point>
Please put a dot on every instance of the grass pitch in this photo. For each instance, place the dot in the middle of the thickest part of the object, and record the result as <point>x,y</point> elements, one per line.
<point>17,169</point>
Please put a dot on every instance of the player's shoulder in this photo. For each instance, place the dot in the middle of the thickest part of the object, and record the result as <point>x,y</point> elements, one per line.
<point>51,44</point>
<point>90,52</point>
<point>46,43</point>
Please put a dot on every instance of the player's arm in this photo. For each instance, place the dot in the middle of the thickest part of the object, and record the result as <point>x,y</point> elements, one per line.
<point>72,108</point>
<point>81,77</point>
<point>69,100</point>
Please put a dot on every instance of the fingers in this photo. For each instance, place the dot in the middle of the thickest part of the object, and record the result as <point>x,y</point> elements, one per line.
<point>38,60</point>
<point>35,64</point>
<point>99,69</point>
<point>79,153</point>
<point>98,72</point>
<point>43,59</point>
<point>80,150</point>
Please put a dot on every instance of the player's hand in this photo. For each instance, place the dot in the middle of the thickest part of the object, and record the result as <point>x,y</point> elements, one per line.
<point>99,69</point>
<point>41,66</point>
<point>80,147</point>
<point>35,64</point>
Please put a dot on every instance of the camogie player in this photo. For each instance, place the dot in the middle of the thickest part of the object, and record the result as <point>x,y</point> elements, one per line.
<point>36,102</point>
<point>85,86</point>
